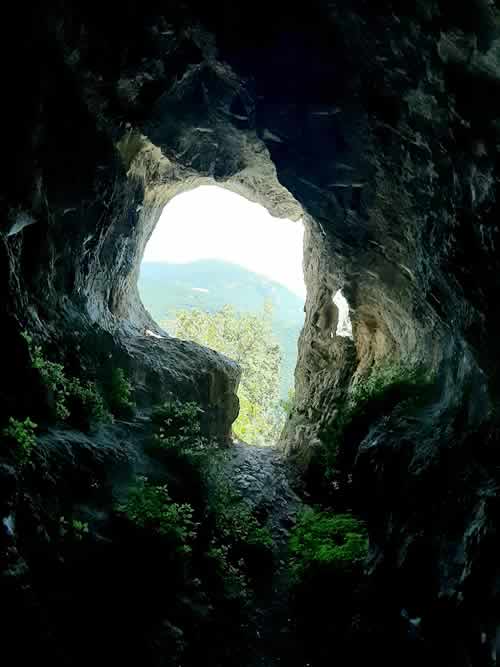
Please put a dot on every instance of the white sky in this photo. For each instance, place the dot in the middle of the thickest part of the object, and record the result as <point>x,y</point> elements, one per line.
<point>212,223</point>
<point>344,325</point>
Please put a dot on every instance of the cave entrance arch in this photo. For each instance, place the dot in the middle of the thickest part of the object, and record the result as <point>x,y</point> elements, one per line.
<point>221,271</point>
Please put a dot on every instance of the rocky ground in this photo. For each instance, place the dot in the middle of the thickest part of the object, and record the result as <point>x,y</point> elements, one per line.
<point>106,462</point>
<point>262,476</point>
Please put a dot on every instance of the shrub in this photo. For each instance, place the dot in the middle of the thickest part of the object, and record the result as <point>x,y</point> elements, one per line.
<point>326,554</point>
<point>52,375</point>
<point>240,549</point>
<point>80,528</point>
<point>322,541</point>
<point>199,542</point>
<point>181,420</point>
<point>247,546</point>
<point>120,394</point>
<point>234,579</point>
<point>75,528</point>
<point>236,545</point>
<point>185,454</point>
<point>235,522</point>
<point>87,404</point>
<point>150,508</point>
<point>22,433</point>
<point>178,430</point>
<point>85,400</point>
<point>371,398</point>
<point>410,381</point>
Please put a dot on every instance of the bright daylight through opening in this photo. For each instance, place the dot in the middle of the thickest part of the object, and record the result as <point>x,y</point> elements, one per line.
<point>221,271</point>
<point>344,326</point>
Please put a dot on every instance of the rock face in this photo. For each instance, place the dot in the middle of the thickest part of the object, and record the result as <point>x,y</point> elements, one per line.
<point>380,125</point>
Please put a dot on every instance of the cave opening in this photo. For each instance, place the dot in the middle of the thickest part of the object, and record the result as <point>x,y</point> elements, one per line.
<point>344,324</point>
<point>221,271</point>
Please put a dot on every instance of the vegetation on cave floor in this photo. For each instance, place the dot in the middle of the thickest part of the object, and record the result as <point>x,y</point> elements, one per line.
<point>225,544</point>
<point>329,542</point>
<point>207,532</point>
<point>325,542</point>
<point>315,549</point>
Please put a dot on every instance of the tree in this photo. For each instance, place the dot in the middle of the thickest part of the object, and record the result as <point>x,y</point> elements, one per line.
<point>248,339</point>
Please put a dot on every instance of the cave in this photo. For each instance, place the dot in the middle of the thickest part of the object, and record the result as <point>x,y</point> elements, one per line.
<point>379,128</point>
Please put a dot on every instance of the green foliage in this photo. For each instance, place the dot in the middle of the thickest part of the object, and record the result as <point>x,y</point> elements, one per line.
<point>322,541</point>
<point>232,575</point>
<point>178,429</point>
<point>248,339</point>
<point>86,401</point>
<point>241,548</point>
<point>388,377</point>
<point>52,375</point>
<point>371,398</point>
<point>237,543</point>
<point>120,394</point>
<point>234,520</point>
<point>84,398</point>
<point>178,418</point>
<point>150,508</point>
<point>22,434</point>
<point>80,528</point>
<point>326,556</point>
<point>75,528</point>
<point>201,544</point>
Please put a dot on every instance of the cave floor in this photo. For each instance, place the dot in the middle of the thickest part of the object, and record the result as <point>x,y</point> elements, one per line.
<point>261,475</point>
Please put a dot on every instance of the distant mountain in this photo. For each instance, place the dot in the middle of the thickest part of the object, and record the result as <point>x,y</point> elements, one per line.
<point>211,284</point>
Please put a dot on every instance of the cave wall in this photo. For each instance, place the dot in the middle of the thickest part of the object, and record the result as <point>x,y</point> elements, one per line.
<point>380,126</point>
<point>75,217</point>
